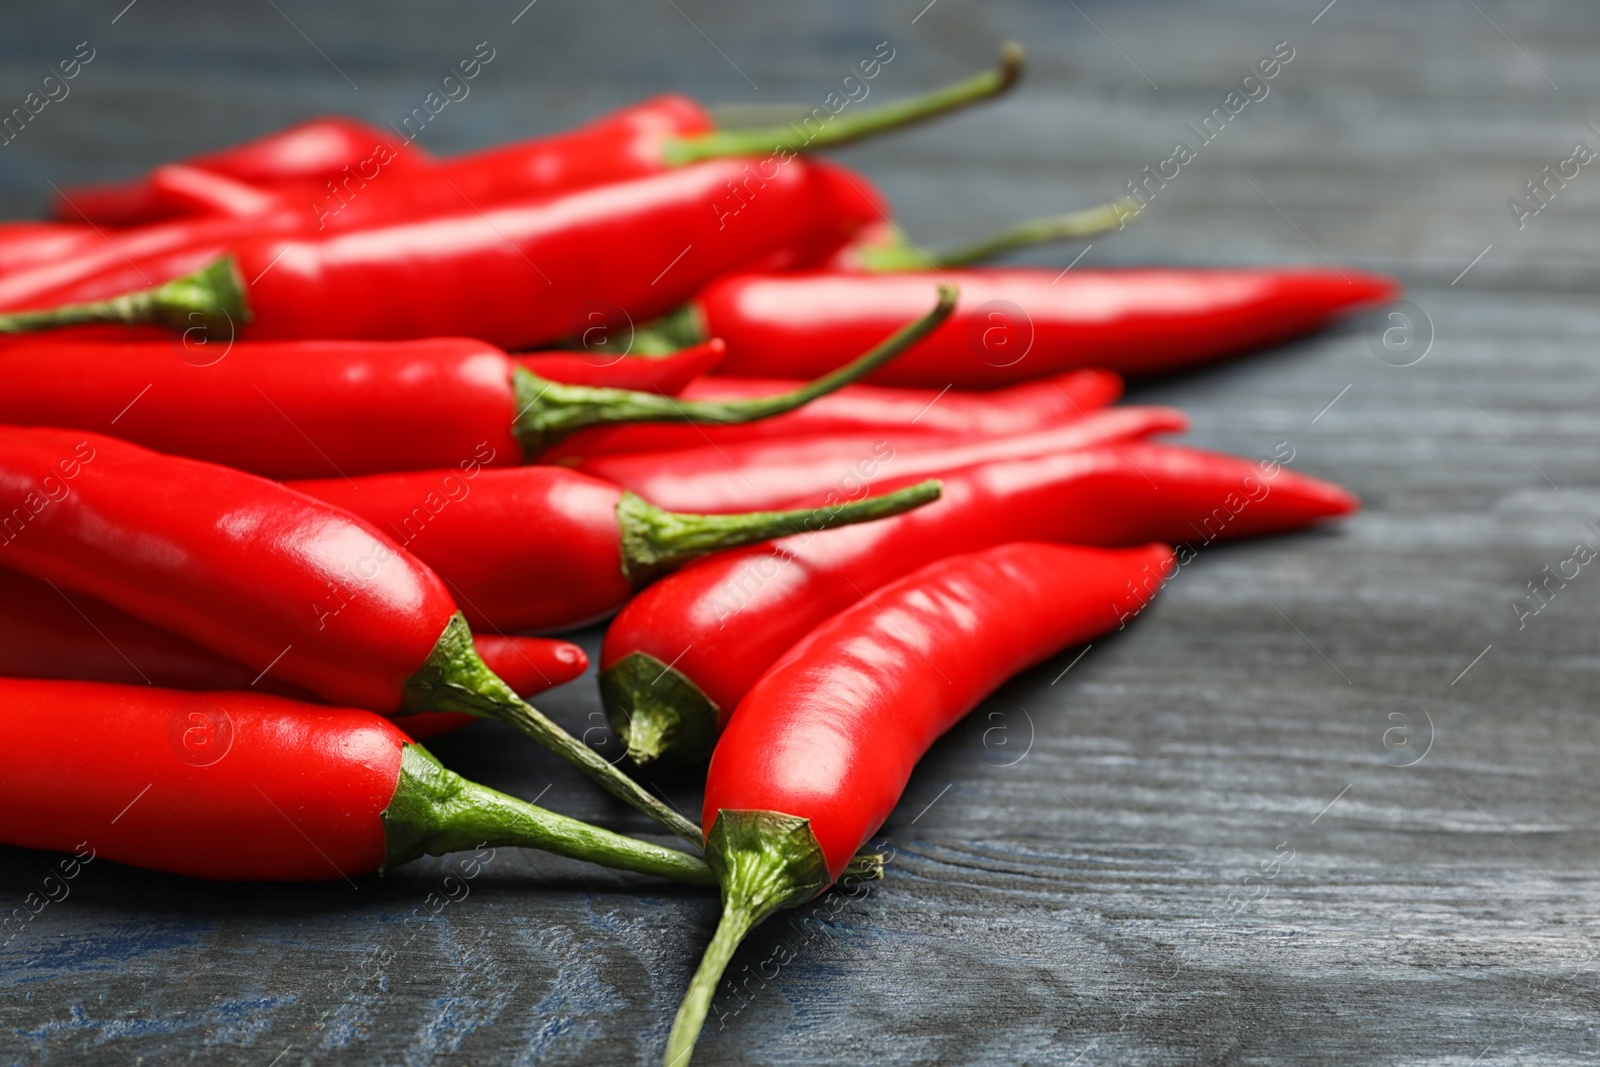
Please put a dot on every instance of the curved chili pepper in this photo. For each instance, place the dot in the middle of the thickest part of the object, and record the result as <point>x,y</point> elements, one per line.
<point>316,151</point>
<point>859,409</point>
<point>669,374</point>
<point>47,633</point>
<point>680,656</point>
<point>514,275</point>
<point>764,474</point>
<point>264,576</point>
<point>1014,324</point>
<point>651,138</point>
<point>824,744</point>
<point>308,409</point>
<point>245,786</point>
<point>546,548</point>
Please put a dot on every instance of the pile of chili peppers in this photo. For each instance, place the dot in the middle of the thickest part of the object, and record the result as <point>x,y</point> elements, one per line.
<point>289,487</point>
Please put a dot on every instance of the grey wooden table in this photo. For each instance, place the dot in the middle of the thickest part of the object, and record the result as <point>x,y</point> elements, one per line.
<point>1210,840</point>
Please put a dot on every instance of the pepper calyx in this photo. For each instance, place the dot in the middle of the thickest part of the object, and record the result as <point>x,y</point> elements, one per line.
<point>455,678</point>
<point>766,861</point>
<point>657,711</point>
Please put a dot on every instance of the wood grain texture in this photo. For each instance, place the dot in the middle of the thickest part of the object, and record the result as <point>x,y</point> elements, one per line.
<point>1184,849</point>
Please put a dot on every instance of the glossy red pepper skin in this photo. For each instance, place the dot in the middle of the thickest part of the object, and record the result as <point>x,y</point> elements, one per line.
<point>547,548</point>
<point>858,409</point>
<point>28,244</point>
<point>305,409</point>
<point>190,190</point>
<point>722,622</point>
<point>669,374</point>
<point>516,275</point>
<point>362,185</point>
<point>310,152</point>
<point>93,748</point>
<point>250,569</point>
<point>524,274</point>
<point>1136,321</point>
<point>624,145</point>
<point>48,633</point>
<point>617,147</point>
<point>537,548</point>
<point>832,732</point>
<point>762,474</point>
<point>281,410</point>
<point>129,259</point>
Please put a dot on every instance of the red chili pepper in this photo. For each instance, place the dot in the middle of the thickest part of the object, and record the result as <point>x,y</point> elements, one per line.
<point>681,655</point>
<point>514,275</point>
<point>824,744</point>
<point>1015,324</point>
<point>315,151</point>
<point>48,633</point>
<point>858,409</point>
<point>316,408</point>
<point>262,575</point>
<point>764,474</point>
<point>245,786</point>
<point>627,143</point>
<point>669,374</point>
<point>671,132</point>
<point>546,548</point>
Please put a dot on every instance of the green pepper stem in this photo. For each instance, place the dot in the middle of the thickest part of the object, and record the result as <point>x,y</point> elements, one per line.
<point>827,128</point>
<point>737,921</point>
<point>1075,225</point>
<point>548,411</point>
<point>455,679</point>
<point>655,541</point>
<point>766,861</point>
<point>435,811</point>
<point>212,297</point>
